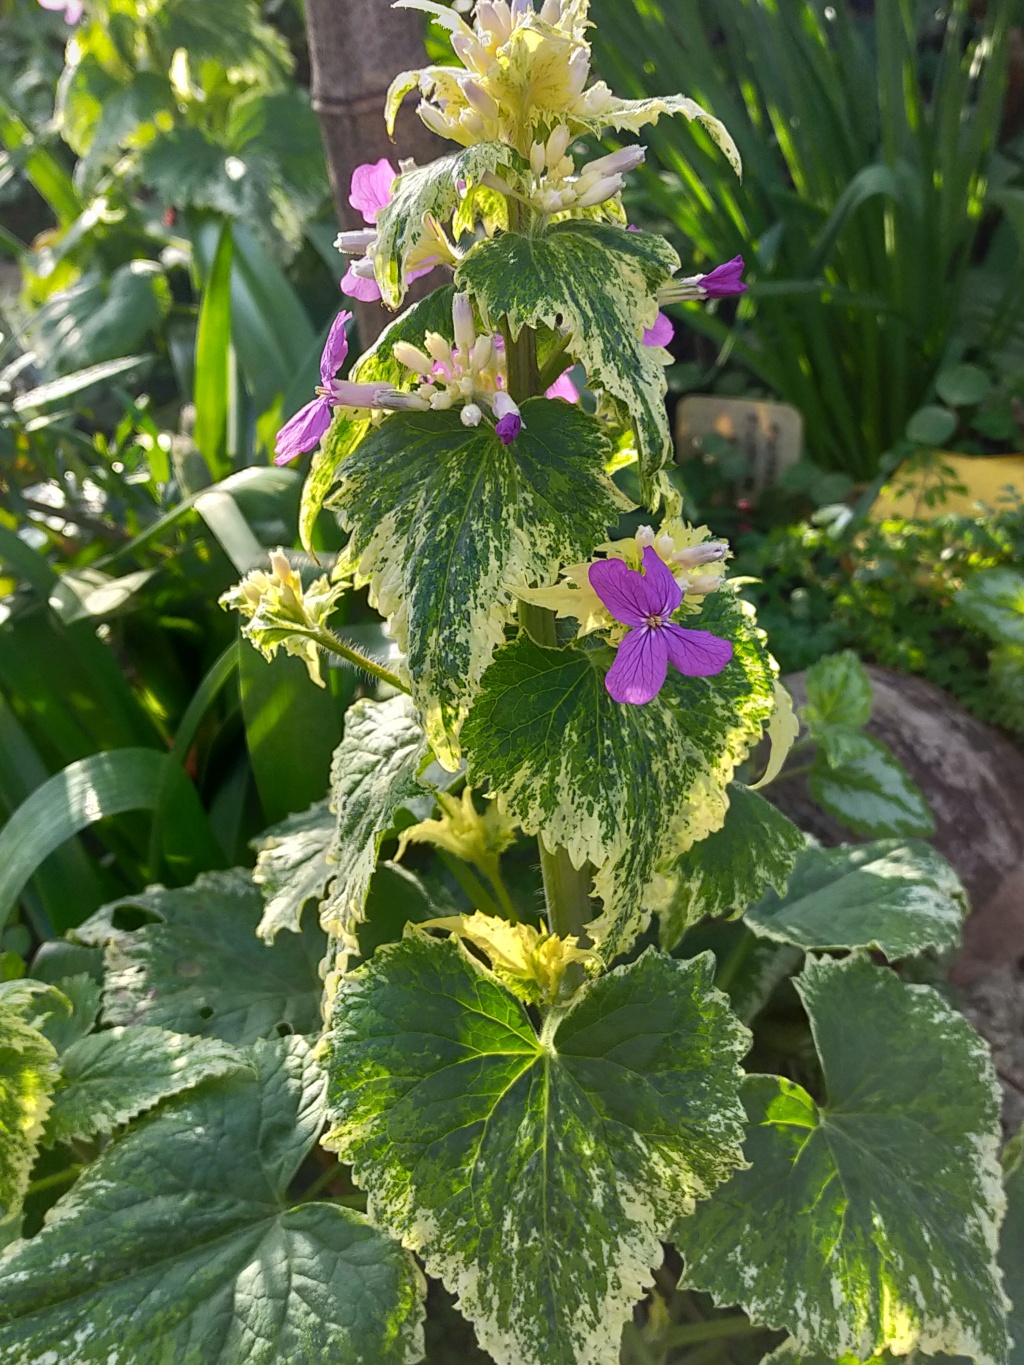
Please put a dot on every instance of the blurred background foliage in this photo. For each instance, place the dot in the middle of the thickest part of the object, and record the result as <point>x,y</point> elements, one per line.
<point>166,281</point>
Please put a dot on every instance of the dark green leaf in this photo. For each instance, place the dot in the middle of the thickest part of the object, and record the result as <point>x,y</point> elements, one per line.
<point>838,692</point>
<point>481,1142</point>
<point>28,1074</point>
<point>962,385</point>
<point>869,791</point>
<point>931,426</point>
<point>992,600</point>
<point>292,868</point>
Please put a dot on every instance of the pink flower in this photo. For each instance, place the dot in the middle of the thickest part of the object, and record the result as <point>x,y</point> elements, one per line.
<point>370,193</point>
<point>73,9</point>
<point>661,333</point>
<point>563,387</point>
<point>645,602</point>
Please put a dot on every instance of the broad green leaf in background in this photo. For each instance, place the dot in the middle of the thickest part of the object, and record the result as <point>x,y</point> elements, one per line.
<point>894,897</point>
<point>373,772</point>
<point>753,852</point>
<point>213,359</point>
<point>70,1011</point>
<point>292,868</point>
<point>870,1221</point>
<point>992,600</point>
<point>599,281</point>
<point>838,692</point>
<point>376,366</point>
<point>28,1074</point>
<point>535,1175</point>
<point>110,1077</point>
<point>621,787</point>
<point>198,967</point>
<point>962,385</point>
<point>931,425</point>
<point>433,189</point>
<point>180,1244</point>
<point>89,790</point>
<point>447,522</point>
<point>869,791</point>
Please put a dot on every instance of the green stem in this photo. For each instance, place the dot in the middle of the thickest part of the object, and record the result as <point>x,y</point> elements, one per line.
<point>334,644</point>
<point>493,870</point>
<point>480,898</point>
<point>321,1182</point>
<point>715,1329</point>
<point>788,774</point>
<point>47,1182</point>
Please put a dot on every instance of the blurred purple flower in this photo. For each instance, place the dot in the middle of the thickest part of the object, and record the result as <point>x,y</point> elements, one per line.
<point>304,430</point>
<point>563,387</point>
<point>73,9</point>
<point>661,333</point>
<point>645,602</point>
<point>724,280</point>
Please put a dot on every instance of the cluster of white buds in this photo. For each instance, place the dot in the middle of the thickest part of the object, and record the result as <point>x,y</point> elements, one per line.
<point>685,560</point>
<point>557,188</point>
<point>470,371</point>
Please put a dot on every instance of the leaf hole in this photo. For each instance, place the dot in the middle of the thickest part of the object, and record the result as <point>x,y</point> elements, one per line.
<point>206,1011</point>
<point>283,1030</point>
<point>128,918</point>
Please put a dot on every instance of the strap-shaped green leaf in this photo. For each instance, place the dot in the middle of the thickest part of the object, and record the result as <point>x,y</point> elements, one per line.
<point>179,1245</point>
<point>753,851</point>
<point>536,1175</point>
<point>110,1077</point>
<point>373,772</point>
<point>28,1074</point>
<point>377,366</point>
<point>622,787</point>
<point>867,789</point>
<point>447,521</point>
<point>869,1221</point>
<point>198,967</point>
<point>435,189</point>
<point>292,868</point>
<point>598,281</point>
<point>896,897</point>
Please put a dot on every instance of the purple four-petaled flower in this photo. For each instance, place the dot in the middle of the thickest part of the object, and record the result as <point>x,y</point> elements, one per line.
<point>645,602</point>
<point>724,281</point>
<point>308,425</point>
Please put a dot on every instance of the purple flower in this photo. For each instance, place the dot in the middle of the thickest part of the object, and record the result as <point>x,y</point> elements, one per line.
<point>724,280</point>
<point>508,428</point>
<point>308,425</point>
<point>370,190</point>
<point>563,387</point>
<point>72,9</point>
<point>661,333</point>
<point>645,602</point>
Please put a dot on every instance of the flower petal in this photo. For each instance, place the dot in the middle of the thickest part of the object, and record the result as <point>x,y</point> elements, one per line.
<point>411,275</point>
<point>663,592</point>
<point>353,286</point>
<point>640,666</point>
<point>724,280</point>
<point>563,387</point>
<point>661,333</point>
<point>335,350</point>
<point>697,653</point>
<point>371,187</point>
<point>622,590</point>
<point>303,432</point>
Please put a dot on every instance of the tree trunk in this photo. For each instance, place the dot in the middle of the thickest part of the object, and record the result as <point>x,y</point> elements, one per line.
<point>356,48</point>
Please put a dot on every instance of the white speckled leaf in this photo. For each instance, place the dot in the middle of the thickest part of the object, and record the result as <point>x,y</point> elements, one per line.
<point>109,1078</point>
<point>376,366</point>
<point>432,189</point>
<point>373,772</point>
<point>896,897</point>
<point>1011,1248</point>
<point>28,1074</point>
<point>753,851</point>
<point>179,1246</point>
<point>866,789</point>
<point>292,868</point>
<point>535,1175</point>
<point>621,787</point>
<point>198,966</point>
<point>632,115</point>
<point>447,522</point>
<point>869,1222</point>
<point>599,281</point>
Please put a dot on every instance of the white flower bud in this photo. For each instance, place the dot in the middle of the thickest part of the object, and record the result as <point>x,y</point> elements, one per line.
<point>600,191</point>
<point>551,11</point>
<point>492,16</point>
<point>710,552</point>
<point>644,536</point>
<point>462,320</point>
<point>558,142</point>
<point>623,161</point>
<point>520,9</point>
<point>438,348</point>
<point>279,564</point>
<point>442,401</point>
<point>705,583</point>
<point>664,546</point>
<point>356,243</point>
<point>483,353</point>
<point>471,415</point>
<point>503,404</point>
<point>470,53</point>
<point>481,100</point>
<point>537,159</point>
<point>412,357</point>
<point>434,119</point>
<point>579,70</point>
<point>363,269</point>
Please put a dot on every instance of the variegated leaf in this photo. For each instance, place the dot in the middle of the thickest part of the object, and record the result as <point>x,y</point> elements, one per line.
<point>621,787</point>
<point>377,366</point>
<point>1011,1244</point>
<point>181,1244</point>
<point>868,1222</point>
<point>895,897</point>
<point>838,693</point>
<point>28,1074</point>
<point>869,791</point>
<point>373,772</point>
<point>437,190</point>
<point>754,850</point>
<point>598,281</point>
<point>535,1174</point>
<point>447,522</point>
<point>110,1077</point>
<point>292,868</point>
<point>632,115</point>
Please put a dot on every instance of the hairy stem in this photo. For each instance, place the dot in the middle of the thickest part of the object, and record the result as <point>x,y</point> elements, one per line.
<point>334,644</point>
<point>479,897</point>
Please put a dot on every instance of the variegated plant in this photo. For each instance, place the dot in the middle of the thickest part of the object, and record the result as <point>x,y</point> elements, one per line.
<point>536,1099</point>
